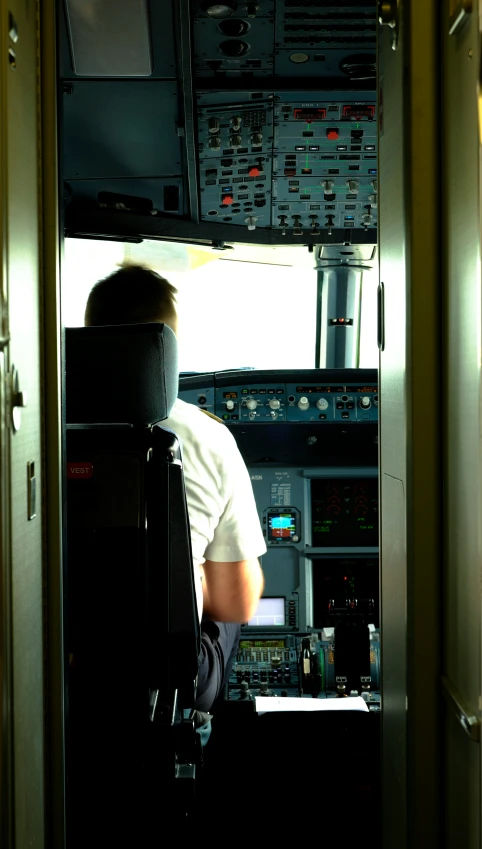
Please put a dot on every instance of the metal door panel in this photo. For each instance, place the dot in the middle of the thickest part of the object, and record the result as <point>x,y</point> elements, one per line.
<point>23,564</point>
<point>462,422</point>
<point>409,428</point>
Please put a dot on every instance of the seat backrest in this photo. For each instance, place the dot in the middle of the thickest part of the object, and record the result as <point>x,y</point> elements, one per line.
<point>132,628</point>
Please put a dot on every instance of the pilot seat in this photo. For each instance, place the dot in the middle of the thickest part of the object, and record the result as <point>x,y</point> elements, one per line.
<point>131,624</point>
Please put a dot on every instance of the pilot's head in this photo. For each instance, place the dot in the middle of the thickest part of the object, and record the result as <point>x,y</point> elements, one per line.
<point>132,295</point>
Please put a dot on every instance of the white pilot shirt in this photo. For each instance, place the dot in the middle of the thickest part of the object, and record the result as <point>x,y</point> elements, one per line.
<point>222,510</point>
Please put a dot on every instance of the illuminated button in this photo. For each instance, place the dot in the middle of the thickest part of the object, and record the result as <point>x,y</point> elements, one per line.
<point>303,403</point>
<point>365,402</point>
<point>262,391</point>
<point>225,416</point>
<point>235,418</point>
<point>345,415</point>
<point>339,405</point>
<point>270,391</point>
<point>322,403</point>
<point>279,391</point>
<point>227,200</point>
<point>350,405</point>
<point>274,404</point>
<point>333,134</point>
<point>254,172</point>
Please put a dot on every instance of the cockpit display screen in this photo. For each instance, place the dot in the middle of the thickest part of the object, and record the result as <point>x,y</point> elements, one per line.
<point>344,512</point>
<point>281,526</point>
<point>270,611</point>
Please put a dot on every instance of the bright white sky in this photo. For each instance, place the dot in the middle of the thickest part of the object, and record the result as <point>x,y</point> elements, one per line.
<point>250,306</point>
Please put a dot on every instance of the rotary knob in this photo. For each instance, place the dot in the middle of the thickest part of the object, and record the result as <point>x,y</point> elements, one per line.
<point>322,403</point>
<point>353,186</point>
<point>365,402</point>
<point>303,403</point>
<point>213,125</point>
<point>251,404</point>
<point>274,404</point>
<point>215,143</point>
<point>230,405</point>
<point>256,139</point>
<point>235,141</point>
<point>236,122</point>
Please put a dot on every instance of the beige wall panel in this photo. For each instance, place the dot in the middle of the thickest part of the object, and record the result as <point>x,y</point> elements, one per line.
<point>24,354</point>
<point>409,429</point>
<point>463,478</point>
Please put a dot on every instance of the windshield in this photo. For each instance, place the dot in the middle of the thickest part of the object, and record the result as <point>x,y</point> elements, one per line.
<point>247,306</point>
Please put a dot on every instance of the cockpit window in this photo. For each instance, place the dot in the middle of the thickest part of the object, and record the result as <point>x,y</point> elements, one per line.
<point>243,306</point>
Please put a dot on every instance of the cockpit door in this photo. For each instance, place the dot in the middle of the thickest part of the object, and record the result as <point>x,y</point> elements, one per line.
<point>460,407</point>
<point>409,330</point>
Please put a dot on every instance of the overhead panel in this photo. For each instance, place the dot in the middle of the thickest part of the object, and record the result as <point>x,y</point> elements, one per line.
<point>317,39</point>
<point>236,45</point>
<point>281,160</point>
<point>257,116</point>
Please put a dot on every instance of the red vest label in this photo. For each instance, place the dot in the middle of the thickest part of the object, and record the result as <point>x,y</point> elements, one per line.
<point>79,470</point>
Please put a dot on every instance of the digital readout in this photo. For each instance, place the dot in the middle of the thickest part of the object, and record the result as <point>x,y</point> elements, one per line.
<point>306,390</point>
<point>230,394</point>
<point>344,512</point>
<point>363,389</point>
<point>262,644</point>
<point>281,526</point>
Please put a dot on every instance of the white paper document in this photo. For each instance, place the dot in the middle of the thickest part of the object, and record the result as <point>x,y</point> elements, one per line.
<point>287,704</point>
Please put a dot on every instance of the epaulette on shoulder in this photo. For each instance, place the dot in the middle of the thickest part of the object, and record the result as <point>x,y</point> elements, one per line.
<point>212,416</point>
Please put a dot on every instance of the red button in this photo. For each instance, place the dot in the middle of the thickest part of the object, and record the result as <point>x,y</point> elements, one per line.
<point>227,200</point>
<point>332,134</point>
<point>254,172</point>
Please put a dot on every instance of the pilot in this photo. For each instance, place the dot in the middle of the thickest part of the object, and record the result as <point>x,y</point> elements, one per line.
<point>225,531</point>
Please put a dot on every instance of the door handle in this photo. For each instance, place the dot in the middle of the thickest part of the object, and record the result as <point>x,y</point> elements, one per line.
<point>467,719</point>
<point>381,316</point>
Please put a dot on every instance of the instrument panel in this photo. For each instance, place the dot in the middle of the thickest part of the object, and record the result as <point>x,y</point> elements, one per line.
<point>286,161</point>
<point>249,120</point>
<point>262,397</point>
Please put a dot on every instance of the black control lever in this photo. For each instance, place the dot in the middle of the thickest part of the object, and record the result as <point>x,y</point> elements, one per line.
<point>310,676</point>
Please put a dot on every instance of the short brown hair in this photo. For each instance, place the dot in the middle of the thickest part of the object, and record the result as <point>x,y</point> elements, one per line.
<point>132,295</point>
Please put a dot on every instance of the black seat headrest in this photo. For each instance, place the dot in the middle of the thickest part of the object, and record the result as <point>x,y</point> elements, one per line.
<point>120,374</point>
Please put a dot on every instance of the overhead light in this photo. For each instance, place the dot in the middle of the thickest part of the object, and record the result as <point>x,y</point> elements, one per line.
<point>109,38</point>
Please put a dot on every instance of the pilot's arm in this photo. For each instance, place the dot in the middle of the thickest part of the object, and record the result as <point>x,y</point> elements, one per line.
<point>231,590</point>
<point>232,577</point>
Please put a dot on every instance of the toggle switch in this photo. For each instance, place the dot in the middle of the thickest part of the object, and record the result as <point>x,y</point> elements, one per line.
<point>353,186</point>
